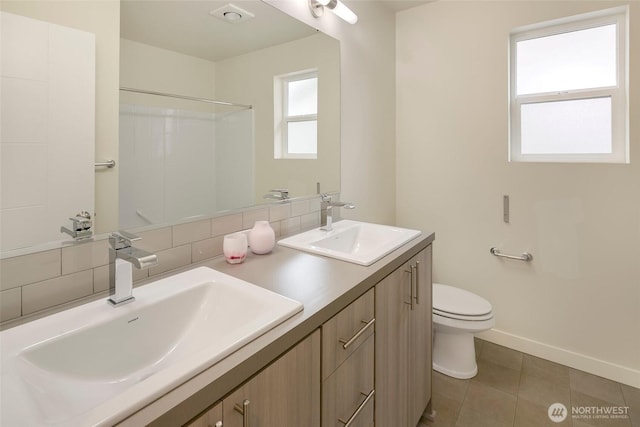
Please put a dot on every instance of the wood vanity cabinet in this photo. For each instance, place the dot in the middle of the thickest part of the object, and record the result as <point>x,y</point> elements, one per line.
<point>403,343</point>
<point>285,393</point>
<point>348,365</point>
<point>211,418</point>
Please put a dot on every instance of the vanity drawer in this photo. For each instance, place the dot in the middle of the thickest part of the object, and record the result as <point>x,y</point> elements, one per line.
<point>348,394</point>
<point>344,332</point>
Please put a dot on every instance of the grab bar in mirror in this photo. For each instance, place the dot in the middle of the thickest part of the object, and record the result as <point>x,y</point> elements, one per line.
<point>107,164</point>
<point>526,256</point>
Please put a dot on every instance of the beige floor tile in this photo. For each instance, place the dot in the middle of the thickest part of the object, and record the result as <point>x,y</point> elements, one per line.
<point>545,369</point>
<point>543,392</point>
<point>631,396</point>
<point>497,376</point>
<point>470,418</point>
<point>450,387</point>
<point>530,414</point>
<point>447,411</point>
<point>478,346</point>
<point>491,403</point>
<point>598,387</point>
<point>502,356</point>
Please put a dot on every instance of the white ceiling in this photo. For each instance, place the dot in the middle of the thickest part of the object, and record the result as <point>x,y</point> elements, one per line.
<point>186,26</point>
<point>398,5</point>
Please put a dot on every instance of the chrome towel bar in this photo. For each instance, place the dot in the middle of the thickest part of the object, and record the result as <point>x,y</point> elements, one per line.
<point>526,256</point>
<point>108,164</point>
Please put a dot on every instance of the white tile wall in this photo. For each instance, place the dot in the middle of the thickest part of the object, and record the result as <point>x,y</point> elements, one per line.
<point>170,166</point>
<point>47,137</point>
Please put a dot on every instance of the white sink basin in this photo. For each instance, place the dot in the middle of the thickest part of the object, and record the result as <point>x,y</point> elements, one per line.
<point>89,364</point>
<point>352,241</point>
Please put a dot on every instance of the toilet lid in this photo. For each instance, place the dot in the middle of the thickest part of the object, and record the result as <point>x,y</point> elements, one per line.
<point>449,299</point>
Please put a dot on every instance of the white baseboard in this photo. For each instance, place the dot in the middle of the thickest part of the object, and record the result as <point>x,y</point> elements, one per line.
<point>621,374</point>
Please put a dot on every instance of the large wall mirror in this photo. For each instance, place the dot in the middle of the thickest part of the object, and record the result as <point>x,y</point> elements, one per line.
<point>182,158</point>
<point>178,159</point>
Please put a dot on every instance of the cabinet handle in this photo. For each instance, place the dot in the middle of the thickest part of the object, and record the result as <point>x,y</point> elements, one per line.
<point>358,410</point>
<point>347,343</point>
<point>244,410</point>
<point>417,268</point>
<point>411,298</point>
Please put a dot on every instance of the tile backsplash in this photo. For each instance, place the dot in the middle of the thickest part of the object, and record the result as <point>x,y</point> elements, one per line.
<point>42,281</point>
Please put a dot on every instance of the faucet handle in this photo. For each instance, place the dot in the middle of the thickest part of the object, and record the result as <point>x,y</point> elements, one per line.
<point>325,197</point>
<point>284,194</point>
<point>122,239</point>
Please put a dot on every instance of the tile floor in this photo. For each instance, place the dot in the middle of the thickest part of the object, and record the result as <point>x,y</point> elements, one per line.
<point>516,389</point>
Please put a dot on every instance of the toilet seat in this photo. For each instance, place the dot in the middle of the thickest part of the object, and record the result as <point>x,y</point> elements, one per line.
<point>456,303</point>
<point>462,316</point>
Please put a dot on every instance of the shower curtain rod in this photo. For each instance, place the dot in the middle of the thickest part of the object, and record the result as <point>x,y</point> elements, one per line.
<point>190,98</point>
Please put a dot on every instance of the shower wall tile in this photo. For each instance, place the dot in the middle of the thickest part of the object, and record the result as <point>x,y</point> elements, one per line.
<point>25,44</point>
<point>21,237</point>
<point>24,47</point>
<point>26,164</point>
<point>24,111</point>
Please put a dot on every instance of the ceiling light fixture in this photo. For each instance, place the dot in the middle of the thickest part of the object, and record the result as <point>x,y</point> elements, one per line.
<point>336,6</point>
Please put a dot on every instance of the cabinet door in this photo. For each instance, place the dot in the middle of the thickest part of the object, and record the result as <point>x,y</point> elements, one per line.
<point>392,297</point>
<point>420,337</point>
<point>286,393</point>
<point>403,343</point>
<point>211,418</point>
<point>348,394</point>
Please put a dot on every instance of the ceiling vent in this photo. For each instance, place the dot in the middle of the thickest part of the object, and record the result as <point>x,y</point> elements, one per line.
<point>232,14</point>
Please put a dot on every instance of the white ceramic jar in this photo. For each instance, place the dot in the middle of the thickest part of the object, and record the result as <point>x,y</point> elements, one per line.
<point>262,238</point>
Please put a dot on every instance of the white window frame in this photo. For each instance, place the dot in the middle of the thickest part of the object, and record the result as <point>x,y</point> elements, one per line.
<point>282,119</point>
<point>618,94</point>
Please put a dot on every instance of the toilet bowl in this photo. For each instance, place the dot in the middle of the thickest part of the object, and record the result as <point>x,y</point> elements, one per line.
<point>457,316</point>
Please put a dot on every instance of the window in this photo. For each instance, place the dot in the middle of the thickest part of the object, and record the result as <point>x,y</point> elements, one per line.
<point>568,90</point>
<point>296,115</point>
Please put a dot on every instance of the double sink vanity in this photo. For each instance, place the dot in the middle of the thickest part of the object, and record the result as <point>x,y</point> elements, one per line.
<point>332,328</point>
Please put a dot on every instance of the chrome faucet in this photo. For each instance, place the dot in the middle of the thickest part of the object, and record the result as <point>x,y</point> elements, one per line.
<point>283,194</point>
<point>326,211</point>
<point>122,258</point>
<point>81,228</point>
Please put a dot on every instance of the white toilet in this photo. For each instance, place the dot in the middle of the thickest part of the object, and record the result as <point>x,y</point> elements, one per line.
<point>457,316</point>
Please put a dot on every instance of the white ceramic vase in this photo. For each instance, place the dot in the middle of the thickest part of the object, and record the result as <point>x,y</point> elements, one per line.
<point>262,238</point>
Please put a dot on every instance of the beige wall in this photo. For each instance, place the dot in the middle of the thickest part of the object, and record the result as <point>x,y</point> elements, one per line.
<point>578,302</point>
<point>248,79</point>
<point>103,19</point>
<point>151,68</point>
<point>367,93</point>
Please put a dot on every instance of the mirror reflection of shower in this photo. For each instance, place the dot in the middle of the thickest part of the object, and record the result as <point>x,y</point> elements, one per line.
<point>175,162</point>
